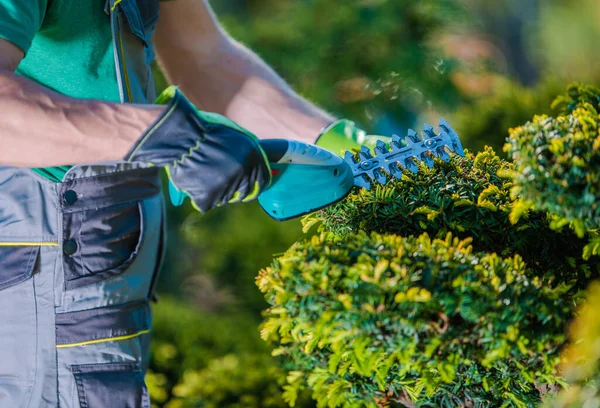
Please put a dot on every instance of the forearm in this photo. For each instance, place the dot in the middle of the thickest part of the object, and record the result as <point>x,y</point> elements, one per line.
<point>39,127</point>
<point>235,82</point>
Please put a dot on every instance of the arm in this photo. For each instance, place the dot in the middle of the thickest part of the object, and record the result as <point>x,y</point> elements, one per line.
<point>39,127</point>
<point>220,75</point>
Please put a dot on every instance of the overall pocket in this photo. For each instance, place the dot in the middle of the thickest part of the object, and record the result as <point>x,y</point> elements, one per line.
<point>101,243</point>
<point>16,263</point>
<point>111,385</point>
<point>103,224</point>
<point>18,330</point>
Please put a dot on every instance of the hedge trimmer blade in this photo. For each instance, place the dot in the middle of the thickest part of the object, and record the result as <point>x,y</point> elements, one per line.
<point>404,154</point>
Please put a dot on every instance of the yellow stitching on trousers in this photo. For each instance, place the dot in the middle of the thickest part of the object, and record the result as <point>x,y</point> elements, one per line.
<point>27,244</point>
<point>119,338</point>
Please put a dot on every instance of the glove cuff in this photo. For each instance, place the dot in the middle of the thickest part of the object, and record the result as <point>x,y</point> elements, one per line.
<point>175,130</point>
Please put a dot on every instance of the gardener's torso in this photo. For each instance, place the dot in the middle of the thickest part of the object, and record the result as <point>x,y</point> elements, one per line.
<point>80,246</point>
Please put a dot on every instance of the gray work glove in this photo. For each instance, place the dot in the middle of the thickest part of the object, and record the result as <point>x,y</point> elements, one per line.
<point>207,157</point>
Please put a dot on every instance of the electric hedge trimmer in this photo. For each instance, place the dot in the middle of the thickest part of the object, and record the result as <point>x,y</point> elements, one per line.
<point>307,177</point>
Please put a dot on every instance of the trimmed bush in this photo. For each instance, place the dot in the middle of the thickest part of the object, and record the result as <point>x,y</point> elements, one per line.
<point>452,287</point>
<point>380,320</point>
<point>468,197</point>
<point>557,164</point>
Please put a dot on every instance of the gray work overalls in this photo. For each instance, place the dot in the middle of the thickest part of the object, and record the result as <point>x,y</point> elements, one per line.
<point>78,261</point>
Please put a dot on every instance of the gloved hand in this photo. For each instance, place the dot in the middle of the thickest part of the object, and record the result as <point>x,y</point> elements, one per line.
<point>345,135</point>
<point>207,157</point>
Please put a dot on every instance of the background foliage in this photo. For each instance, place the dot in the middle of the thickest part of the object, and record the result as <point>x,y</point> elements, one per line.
<point>393,64</point>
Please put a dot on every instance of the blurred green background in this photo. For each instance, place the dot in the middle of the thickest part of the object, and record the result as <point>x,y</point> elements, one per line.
<point>485,66</point>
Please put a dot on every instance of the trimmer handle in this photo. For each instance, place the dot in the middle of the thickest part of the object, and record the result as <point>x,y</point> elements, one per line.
<point>305,178</point>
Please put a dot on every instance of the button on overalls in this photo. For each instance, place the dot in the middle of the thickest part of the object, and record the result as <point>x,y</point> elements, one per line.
<point>78,261</point>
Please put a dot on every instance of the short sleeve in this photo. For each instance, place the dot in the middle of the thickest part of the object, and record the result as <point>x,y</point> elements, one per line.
<point>20,20</point>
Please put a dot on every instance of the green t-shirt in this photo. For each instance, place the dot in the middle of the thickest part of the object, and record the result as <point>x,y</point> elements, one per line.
<point>68,48</point>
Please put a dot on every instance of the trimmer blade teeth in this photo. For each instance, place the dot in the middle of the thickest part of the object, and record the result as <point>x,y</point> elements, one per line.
<point>428,131</point>
<point>403,154</point>
<point>443,154</point>
<point>361,181</point>
<point>447,132</point>
<point>349,157</point>
<point>396,141</point>
<point>379,177</point>
<point>365,153</point>
<point>427,158</point>
<point>412,164</point>
<point>395,170</point>
<point>381,147</point>
<point>412,137</point>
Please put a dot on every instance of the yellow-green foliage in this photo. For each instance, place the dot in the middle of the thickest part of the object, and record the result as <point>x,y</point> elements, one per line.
<point>468,197</point>
<point>582,358</point>
<point>410,316</point>
<point>382,320</point>
<point>557,161</point>
<point>557,164</point>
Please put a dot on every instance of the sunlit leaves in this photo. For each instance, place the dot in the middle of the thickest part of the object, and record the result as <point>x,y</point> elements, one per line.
<point>415,318</point>
<point>557,162</point>
<point>472,196</point>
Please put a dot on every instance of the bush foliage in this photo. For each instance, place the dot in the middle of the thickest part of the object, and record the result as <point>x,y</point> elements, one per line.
<point>373,320</point>
<point>557,160</point>
<point>557,163</point>
<point>451,287</point>
<point>468,197</point>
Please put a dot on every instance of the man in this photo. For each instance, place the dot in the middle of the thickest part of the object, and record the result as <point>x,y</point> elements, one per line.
<point>81,144</point>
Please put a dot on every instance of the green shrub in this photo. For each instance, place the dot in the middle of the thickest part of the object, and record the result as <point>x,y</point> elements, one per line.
<point>397,318</point>
<point>468,198</point>
<point>577,96</point>
<point>557,163</point>
<point>373,321</point>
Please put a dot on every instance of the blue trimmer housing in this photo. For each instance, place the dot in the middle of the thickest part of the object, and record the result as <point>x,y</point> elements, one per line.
<point>305,179</point>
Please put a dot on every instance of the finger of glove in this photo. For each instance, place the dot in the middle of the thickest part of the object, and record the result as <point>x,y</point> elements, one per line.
<point>226,166</point>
